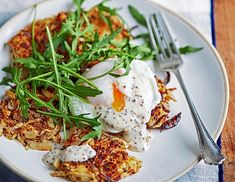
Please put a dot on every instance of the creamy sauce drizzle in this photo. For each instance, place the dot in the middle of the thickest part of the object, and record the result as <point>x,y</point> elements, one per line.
<point>72,153</point>
<point>78,153</point>
<point>132,121</point>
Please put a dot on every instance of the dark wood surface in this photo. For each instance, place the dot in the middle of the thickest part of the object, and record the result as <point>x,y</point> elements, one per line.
<point>225,36</point>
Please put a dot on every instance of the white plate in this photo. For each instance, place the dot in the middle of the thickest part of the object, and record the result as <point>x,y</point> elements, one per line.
<point>172,153</point>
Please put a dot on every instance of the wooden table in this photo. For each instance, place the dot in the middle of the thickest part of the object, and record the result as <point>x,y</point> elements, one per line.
<point>225,37</point>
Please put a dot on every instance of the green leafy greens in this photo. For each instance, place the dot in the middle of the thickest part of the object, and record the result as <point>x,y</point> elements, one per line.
<point>103,10</point>
<point>137,16</point>
<point>189,49</point>
<point>146,52</point>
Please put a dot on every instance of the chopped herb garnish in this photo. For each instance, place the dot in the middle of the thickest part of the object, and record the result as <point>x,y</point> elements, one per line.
<point>189,49</point>
<point>137,15</point>
<point>94,134</point>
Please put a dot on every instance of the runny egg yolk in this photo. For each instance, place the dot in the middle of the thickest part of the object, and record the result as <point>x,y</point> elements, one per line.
<point>119,102</point>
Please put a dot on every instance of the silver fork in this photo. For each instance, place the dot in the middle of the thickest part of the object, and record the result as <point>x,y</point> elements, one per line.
<point>169,59</point>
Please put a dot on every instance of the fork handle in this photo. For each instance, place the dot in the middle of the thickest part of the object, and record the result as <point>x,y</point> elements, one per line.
<point>210,151</point>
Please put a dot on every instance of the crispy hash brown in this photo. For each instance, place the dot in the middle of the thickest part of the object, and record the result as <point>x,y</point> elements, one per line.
<point>21,43</point>
<point>37,132</point>
<point>111,162</point>
<point>160,114</point>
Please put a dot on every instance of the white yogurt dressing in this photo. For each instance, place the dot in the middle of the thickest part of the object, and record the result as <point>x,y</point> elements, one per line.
<point>50,158</point>
<point>78,153</point>
<point>72,153</point>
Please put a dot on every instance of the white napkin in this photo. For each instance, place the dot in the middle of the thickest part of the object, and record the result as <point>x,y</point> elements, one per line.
<point>196,11</point>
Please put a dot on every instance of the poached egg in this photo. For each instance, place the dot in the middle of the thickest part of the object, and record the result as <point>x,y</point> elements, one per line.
<point>126,102</point>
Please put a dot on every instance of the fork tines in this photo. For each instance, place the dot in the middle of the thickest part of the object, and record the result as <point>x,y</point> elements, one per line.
<point>161,39</point>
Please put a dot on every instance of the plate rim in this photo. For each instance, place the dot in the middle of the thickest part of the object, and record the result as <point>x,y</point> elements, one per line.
<point>220,62</point>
